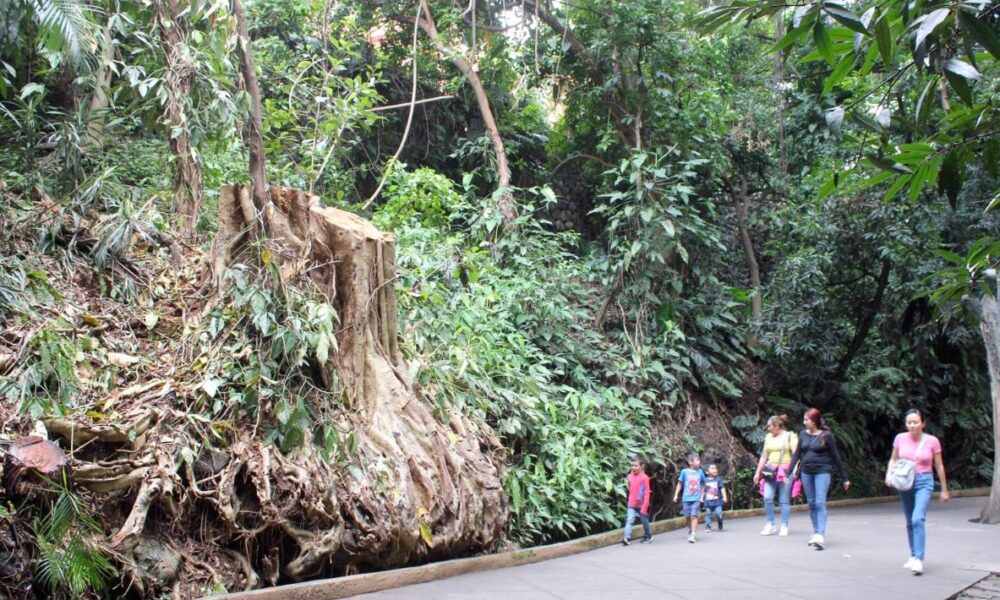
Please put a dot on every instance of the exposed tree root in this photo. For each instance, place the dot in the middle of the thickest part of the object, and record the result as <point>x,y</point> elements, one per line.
<point>244,514</point>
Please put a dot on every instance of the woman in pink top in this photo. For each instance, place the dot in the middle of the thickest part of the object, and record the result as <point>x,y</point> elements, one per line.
<point>925,451</point>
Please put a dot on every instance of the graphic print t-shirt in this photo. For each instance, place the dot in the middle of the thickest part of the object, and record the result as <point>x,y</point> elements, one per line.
<point>691,482</point>
<point>713,491</point>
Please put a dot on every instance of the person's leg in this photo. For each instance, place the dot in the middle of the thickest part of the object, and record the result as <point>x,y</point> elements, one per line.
<point>718,513</point>
<point>769,490</point>
<point>647,530</point>
<point>821,483</point>
<point>708,517</point>
<point>906,499</point>
<point>923,488</point>
<point>629,519</point>
<point>809,487</point>
<point>784,500</point>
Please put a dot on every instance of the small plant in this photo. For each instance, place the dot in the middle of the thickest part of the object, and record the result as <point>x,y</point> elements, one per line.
<point>68,564</point>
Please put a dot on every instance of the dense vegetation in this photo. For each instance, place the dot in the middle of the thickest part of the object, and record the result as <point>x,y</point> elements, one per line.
<point>620,228</point>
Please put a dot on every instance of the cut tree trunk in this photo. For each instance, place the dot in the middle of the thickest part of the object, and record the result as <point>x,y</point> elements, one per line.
<point>741,201</point>
<point>420,487</point>
<point>989,327</point>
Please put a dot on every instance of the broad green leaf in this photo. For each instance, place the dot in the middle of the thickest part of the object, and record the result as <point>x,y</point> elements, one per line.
<point>883,37</point>
<point>924,103</point>
<point>962,69</point>
<point>846,18</point>
<point>842,68</point>
<point>928,23</point>
<point>979,31</point>
<point>31,88</point>
<point>822,39</point>
<point>790,38</point>
<point>896,186</point>
<point>960,85</point>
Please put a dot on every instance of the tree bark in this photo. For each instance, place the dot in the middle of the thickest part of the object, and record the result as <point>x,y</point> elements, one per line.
<point>179,72</point>
<point>505,200</point>
<point>255,128</point>
<point>989,327</point>
<point>779,95</point>
<point>99,99</point>
<point>420,488</point>
<point>741,201</point>
<point>868,313</point>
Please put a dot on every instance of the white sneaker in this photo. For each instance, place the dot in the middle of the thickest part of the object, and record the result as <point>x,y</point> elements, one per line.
<point>812,539</point>
<point>909,563</point>
<point>820,543</point>
<point>784,531</point>
<point>917,566</point>
<point>768,529</point>
<point>691,538</point>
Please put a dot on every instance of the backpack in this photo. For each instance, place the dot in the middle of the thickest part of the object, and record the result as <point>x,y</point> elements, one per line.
<point>905,470</point>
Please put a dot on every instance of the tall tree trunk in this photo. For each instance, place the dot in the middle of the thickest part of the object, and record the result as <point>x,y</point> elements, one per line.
<point>255,128</point>
<point>179,71</point>
<point>741,201</point>
<point>989,327</point>
<point>505,200</point>
<point>779,94</point>
<point>102,82</point>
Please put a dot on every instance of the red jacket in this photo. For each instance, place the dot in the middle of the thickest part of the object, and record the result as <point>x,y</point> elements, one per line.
<point>639,492</point>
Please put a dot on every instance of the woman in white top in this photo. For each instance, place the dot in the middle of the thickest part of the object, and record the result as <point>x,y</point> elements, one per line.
<point>779,446</point>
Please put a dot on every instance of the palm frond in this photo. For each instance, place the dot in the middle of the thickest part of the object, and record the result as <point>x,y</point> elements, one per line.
<point>63,25</point>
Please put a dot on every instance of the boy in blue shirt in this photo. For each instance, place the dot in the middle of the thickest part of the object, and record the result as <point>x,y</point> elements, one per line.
<point>715,497</point>
<point>692,481</point>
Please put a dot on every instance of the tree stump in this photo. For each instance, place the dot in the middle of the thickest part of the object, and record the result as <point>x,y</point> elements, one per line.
<point>418,488</point>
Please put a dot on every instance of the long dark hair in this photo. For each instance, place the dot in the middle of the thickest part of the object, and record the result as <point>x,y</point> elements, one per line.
<point>816,417</point>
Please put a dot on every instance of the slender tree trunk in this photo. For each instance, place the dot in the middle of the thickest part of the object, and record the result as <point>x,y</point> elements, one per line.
<point>505,200</point>
<point>741,202</point>
<point>100,97</point>
<point>989,327</point>
<point>779,96</point>
<point>187,171</point>
<point>255,129</point>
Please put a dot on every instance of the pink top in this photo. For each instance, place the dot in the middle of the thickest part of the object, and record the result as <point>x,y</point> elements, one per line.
<point>907,448</point>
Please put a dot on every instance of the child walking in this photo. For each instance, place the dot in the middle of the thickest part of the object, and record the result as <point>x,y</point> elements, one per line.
<point>715,497</point>
<point>638,501</point>
<point>692,481</point>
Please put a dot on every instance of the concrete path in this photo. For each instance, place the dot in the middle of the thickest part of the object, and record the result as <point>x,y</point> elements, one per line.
<point>866,548</point>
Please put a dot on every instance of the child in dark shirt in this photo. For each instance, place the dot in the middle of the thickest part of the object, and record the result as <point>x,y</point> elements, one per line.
<point>715,497</point>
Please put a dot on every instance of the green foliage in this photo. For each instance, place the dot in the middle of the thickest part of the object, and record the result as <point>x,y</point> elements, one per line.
<point>256,352</point>
<point>484,328</point>
<point>423,195</point>
<point>68,563</point>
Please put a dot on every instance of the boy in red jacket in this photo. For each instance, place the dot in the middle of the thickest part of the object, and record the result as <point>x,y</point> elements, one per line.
<point>638,501</point>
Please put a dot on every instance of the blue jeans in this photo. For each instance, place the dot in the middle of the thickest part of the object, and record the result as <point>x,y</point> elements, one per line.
<point>784,492</point>
<point>817,486</point>
<point>915,503</point>
<point>630,518</point>
<point>713,510</point>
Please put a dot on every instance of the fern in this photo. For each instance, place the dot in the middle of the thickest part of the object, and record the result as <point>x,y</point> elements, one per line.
<point>67,563</point>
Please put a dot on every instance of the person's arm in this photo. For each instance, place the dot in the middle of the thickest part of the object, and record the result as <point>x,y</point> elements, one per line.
<point>831,441</point>
<point>722,488</point>
<point>646,497</point>
<point>760,463</point>
<point>677,489</point>
<point>796,456</point>
<point>939,467</point>
<point>892,463</point>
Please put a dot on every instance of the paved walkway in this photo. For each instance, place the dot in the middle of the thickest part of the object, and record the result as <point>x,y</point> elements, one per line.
<point>866,548</point>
